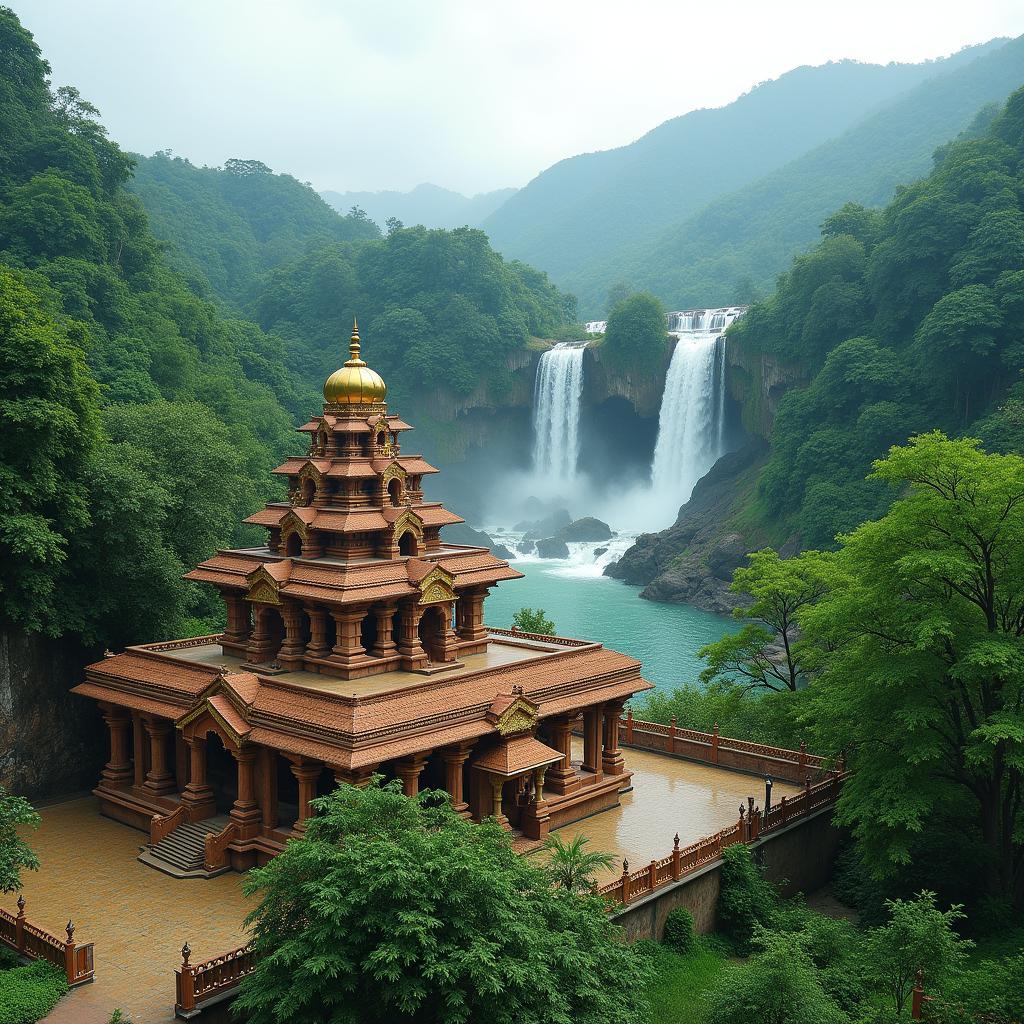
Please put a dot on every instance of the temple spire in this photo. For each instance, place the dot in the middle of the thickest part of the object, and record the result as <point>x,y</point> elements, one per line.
<point>354,345</point>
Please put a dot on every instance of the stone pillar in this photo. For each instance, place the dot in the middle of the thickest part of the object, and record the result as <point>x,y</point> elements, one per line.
<point>261,642</point>
<point>537,820</point>
<point>267,785</point>
<point>244,810</point>
<point>612,761</point>
<point>293,648</point>
<point>348,647</point>
<point>409,646</point>
<point>358,777</point>
<point>470,616</point>
<point>118,770</point>
<point>561,776</point>
<point>159,778</point>
<point>317,646</point>
<point>198,794</point>
<point>408,770</point>
<point>239,625</point>
<point>138,749</point>
<point>592,725</point>
<point>385,645</point>
<point>496,786</point>
<point>454,759</point>
<point>306,776</point>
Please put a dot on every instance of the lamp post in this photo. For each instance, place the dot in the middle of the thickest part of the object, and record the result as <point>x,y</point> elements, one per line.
<point>767,794</point>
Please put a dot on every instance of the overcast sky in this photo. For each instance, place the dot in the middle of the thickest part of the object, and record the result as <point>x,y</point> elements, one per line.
<point>469,94</point>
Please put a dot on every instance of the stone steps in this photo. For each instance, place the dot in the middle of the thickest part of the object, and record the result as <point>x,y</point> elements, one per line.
<point>183,851</point>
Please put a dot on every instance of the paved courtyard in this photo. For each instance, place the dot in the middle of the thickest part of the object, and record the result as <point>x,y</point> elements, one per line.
<point>139,918</point>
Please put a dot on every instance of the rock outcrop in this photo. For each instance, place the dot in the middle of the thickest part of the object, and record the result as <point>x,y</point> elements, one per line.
<point>552,547</point>
<point>585,529</point>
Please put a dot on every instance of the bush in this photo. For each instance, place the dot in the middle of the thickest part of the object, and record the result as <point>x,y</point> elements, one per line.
<point>27,994</point>
<point>746,900</point>
<point>679,935</point>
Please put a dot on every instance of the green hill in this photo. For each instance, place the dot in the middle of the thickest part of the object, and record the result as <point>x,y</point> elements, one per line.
<point>586,210</point>
<point>426,204</point>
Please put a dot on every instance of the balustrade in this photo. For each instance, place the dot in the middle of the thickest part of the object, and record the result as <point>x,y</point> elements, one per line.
<point>74,959</point>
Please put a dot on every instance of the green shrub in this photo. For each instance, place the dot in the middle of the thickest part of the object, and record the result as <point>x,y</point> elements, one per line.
<point>679,934</point>
<point>746,900</point>
<point>27,994</point>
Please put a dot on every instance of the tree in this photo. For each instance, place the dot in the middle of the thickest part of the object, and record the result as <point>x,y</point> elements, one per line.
<point>921,653</point>
<point>636,338</point>
<point>917,937</point>
<point>15,812</point>
<point>393,224</point>
<point>779,985</point>
<point>571,865</point>
<point>531,620</point>
<point>771,658</point>
<point>396,909</point>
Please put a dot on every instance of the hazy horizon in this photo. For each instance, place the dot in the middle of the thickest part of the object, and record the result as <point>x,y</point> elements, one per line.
<point>385,97</point>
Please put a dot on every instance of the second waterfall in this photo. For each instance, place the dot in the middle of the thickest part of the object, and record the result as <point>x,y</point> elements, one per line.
<point>558,393</point>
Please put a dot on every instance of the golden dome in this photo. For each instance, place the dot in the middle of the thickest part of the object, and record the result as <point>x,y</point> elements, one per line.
<point>355,383</point>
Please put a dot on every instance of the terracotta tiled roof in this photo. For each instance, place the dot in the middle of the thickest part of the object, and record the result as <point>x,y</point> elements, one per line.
<point>512,757</point>
<point>127,699</point>
<point>350,522</point>
<point>416,464</point>
<point>231,717</point>
<point>437,516</point>
<point>352,469</point>
<point>245,685</point>
<point>269,516</point>
<point>175,675</point>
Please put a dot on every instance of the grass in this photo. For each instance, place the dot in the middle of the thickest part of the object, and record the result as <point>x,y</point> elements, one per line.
<point>28,993</point>
<point>681,981</point>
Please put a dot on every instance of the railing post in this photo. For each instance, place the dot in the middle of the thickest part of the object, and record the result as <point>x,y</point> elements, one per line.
<point>807,794</point>
<point>629,725</point>
<point>802,760</point>
<point>69,954</point>
<point>625,881</point>
<point>784,810</point>
<point>917,996</point>
<point>187,993</point>
<point>19,926</point>
<point>714,745</point>
<point>743,825</point>
<point>672,735</point>
<point>676,859</point>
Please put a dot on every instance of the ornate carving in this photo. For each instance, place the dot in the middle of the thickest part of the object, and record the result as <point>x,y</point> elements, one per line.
<point>517,717</point>
<point>263,591</point>
<point>437,587</point>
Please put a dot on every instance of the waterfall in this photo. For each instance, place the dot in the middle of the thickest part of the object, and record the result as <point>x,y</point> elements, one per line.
<point>556,411</point>
<point>691,423</point>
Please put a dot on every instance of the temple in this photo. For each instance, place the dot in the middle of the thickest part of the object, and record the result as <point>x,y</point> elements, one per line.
<point>355,644</point>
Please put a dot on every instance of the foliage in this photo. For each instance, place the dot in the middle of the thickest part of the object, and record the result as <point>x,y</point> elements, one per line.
<point>29,993</point>
<point>571,865</point>
<point>746,900</point>
<point>394,909</point>
<point>680,982</point>
<point>780,588</point>
<point>15,813</point>
<point>679,934</point>
<point>991,991</point>
<point>918,935</point>
<point>921,644</point>
<point>531,620</point>
<point>635,340</point>
<point>778,986</point>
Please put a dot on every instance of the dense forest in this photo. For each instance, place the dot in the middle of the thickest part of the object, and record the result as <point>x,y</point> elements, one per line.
<point>426,204</point>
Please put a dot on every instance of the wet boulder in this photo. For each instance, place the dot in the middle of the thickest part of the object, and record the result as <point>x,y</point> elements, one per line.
<point>586,529</point>
<point>552,547</point>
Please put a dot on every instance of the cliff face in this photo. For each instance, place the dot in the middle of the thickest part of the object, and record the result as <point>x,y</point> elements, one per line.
<point>51,743</point>
<point>642,390</point>
<point>757,382</point>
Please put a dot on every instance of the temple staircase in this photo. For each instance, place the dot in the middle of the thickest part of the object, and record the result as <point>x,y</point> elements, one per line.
<point>181,853</point>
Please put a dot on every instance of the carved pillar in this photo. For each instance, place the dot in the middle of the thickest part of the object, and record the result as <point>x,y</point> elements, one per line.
<point>537,820</point>
<point>496,786</point>
<point>409,646</point>
<point>293,648</point>
<point>317,646</point>
<point>198,794</point>
<point>245,810</point>
<point>385,645</point>
<point>139,747</point>
<point>454,759</point>
<point>261,640</point>
<point>561,777</point>
<point>470,616</point>
<point>408,770</point>
<point>118,769</point>
<point>612,761</point>
<point>592,726</point>
<point>306,776</point>
<point>348,647</point>
<point>239,625</point>
<point>267,786</point>
<point>159,778</point>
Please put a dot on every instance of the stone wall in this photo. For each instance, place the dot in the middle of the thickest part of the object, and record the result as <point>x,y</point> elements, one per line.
<point>798,858</point>
<point>51,743</point>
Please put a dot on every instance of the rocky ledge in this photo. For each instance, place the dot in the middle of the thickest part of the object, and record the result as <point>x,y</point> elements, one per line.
<point>692,562</point>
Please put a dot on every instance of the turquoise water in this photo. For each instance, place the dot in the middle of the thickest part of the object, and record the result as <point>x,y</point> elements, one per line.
<point>665,637</point>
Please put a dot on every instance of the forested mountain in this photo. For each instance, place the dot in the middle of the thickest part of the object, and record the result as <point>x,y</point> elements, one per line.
<point>741,241</point>
<point>587,209</point>
<point>227,225</point>
<point>137,423</point>
<point>426,204</point>
<point>900,320</point>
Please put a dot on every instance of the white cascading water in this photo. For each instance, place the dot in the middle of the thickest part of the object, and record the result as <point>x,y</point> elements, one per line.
<point>558,393</point>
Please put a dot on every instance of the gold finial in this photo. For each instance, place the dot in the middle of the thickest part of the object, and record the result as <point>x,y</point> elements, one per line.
<point>353,345</point>
<point>355,383</point>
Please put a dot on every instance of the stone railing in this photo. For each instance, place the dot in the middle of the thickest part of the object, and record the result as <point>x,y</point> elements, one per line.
<point>753,823</point>
<point>162,825</point>
<point>518,634</point>
<point>74,959</point>
<point>711,748</point>
<point>198,985</point>
<point>216,852</point>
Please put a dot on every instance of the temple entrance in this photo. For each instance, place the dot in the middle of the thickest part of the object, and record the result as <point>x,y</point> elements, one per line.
<point>221,773</point>
<point>395,492</point>
<point>433,627</point>
<point>407,544</point>
<point>293,545</point>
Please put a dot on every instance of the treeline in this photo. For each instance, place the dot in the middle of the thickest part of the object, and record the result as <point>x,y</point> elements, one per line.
<point>905,319</point>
